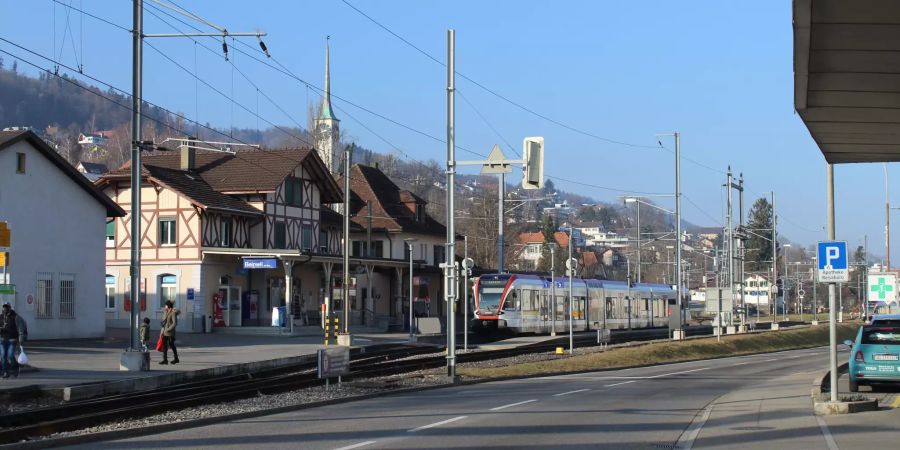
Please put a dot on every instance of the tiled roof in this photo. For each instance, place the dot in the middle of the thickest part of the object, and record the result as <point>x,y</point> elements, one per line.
<point>588,258</point>
<point>245,171</point>
<point>198,191</point>
<point>330,217</point>
<point>532,238</point>
<point>388,211</point>
<point>562,239</point>
<point>10,138</point>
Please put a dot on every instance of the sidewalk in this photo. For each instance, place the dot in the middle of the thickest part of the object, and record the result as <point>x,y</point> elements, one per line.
<point>60,363</point>
<point>778,413</point>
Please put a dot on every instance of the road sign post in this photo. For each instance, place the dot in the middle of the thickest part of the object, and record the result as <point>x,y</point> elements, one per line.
<point>832,262</point>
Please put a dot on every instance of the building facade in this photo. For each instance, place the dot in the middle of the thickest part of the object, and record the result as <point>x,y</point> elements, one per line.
<point>56,218</point>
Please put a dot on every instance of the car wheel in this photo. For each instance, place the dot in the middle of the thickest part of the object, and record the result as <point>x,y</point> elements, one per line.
<point>854,386</point>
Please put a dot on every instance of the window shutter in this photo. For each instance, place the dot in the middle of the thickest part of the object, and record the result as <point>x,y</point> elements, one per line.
<point>111,228</point>
<point>289,192</point>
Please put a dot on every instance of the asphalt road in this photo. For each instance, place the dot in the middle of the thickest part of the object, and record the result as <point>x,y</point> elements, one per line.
<point>759,401</point>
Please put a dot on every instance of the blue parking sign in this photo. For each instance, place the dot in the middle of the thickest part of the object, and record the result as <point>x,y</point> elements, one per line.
<point>832,262</point>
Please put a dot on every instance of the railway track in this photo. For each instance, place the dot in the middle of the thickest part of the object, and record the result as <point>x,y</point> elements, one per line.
<point>41,422</point>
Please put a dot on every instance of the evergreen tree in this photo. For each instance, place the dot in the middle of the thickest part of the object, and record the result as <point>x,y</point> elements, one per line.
<point>759,244</point>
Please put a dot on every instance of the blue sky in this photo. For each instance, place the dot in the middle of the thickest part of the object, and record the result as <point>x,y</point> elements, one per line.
<point>718,72</point>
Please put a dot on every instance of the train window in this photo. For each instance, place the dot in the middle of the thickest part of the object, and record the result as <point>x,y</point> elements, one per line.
<point>512,301</point>
<point>610,309</point>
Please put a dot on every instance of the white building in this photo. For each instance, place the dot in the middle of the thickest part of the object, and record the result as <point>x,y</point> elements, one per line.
<point>593,236</point>
<point>57,220</point>
<point>756,291</point>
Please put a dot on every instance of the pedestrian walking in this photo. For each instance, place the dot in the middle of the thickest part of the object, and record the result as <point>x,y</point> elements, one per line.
<point>13,332</point>
<point>144,333</point>
<point>169,322</point>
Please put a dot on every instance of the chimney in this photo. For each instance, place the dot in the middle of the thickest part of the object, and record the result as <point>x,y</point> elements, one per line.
<point>188,156</point>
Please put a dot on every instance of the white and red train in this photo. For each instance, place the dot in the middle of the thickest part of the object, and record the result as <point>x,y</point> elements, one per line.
<point>523,303</point>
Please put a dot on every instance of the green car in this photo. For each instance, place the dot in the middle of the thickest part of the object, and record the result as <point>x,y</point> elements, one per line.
<point>874,356</point>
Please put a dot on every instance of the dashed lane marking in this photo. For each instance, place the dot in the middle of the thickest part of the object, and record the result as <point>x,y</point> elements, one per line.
<point>829,439</point>
<point>570,392</point>
<point>437,424</point>
<point>361,444</point>
<point>896,403</point>
<point>619,384</point>
<point>513,404</point>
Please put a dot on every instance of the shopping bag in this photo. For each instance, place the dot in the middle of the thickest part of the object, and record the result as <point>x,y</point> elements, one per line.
<point>23,358</point>
<point>159,344</point>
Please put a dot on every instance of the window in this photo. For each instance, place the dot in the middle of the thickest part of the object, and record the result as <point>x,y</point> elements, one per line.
<point>111,233</point>
<point>420,213</point>
<point>167,231</point>
<point>323,242</point>
<point>533,249</point>
<point>167,289</point>
<point>280,235</point>
<point>357,248</point>
<point>293,192</point>
<point>67,296</point>
<point>110,292</point>
<point>438,254</point>
<point>423,252</point>
<point>377,249</point>
<point>44,295</point>
<point>306,238</point>
<point>20,163</point>
<point>225,232</point>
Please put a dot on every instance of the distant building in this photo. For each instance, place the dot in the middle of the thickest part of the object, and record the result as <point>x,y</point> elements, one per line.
<point>328,127</point>
<point>561,213</point>
<point>92,138</point>
<point>594,236</point>
<point>91,171</point>
<point>57,219</point>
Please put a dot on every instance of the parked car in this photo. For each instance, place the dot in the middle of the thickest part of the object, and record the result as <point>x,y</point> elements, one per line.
<point>886,320</point>
<point>874,356</point>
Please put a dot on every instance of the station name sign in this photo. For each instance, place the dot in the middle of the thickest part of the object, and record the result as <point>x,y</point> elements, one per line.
<point>260,263</point>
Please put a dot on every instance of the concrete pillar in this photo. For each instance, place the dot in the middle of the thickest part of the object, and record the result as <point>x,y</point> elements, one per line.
<point>369,304</point>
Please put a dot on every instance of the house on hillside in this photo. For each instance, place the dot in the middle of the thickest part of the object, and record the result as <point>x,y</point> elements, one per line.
<point>531,247</point>
<point>56,217</point>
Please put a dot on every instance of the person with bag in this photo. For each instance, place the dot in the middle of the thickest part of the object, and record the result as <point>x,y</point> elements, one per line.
<point>169,322</point>
<point>10,335</point>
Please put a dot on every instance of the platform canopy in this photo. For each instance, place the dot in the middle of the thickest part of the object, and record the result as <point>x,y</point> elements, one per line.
<point>847,77</point>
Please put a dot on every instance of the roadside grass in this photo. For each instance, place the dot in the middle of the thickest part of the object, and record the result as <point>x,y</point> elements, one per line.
<point>668,352</point>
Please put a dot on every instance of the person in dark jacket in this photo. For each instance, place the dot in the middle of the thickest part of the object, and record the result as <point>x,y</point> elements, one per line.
<point>169,322</point>
<point>12,332</point>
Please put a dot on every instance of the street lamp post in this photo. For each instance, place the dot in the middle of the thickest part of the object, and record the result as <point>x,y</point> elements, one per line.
<point>571,265</point>
<point>409,244</point>
<point>637,232</point>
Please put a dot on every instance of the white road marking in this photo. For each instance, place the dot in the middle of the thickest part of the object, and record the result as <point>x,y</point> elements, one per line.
<point>512,404</point>
<point>677,373</point>
<point>741,364</point>
<point>437,424</point>
<point>829,439</point>
<point>570,392</point>
<point>770,360</point>
<point>619,384</point>
<point>361,444</point>
<point>686,441</point>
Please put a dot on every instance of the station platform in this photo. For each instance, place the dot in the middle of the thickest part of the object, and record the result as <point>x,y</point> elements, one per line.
<point>56,364</point>
<point>520,341</point>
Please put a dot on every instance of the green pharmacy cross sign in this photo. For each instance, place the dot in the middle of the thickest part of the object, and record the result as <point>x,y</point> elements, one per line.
<point>881,288</point>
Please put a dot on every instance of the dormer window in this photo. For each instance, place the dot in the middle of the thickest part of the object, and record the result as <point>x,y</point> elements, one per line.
<point>420,213</point>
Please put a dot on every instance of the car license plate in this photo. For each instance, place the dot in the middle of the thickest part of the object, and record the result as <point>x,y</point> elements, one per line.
<point>886,357</point>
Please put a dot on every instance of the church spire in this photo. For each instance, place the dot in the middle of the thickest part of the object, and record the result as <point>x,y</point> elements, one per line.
<point>327,112</point>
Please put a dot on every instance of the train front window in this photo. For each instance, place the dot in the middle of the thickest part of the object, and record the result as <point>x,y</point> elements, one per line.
<point>489,294</point>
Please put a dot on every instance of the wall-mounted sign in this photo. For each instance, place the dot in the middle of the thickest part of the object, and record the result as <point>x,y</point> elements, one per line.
<point>260,263</point>
<point>190,293</point>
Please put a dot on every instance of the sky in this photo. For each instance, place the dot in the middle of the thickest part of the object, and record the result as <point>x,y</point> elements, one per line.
<point>719,73</point>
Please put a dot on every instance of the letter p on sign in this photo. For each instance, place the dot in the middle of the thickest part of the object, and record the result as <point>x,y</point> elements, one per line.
<point>831,254</point>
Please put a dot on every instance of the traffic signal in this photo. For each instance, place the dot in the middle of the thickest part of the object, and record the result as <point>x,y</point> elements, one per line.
<point>533,154</point>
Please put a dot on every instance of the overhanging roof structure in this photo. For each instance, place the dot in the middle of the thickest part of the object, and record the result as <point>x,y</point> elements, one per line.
<point>847,77</point>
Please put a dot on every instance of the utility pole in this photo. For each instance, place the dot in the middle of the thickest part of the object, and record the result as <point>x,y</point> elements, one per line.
<point>137,62</point>
<point>741,250</point>
<point>638,233</point>
<point>774,256</point>
<point>345,338</point>
<point>571,265</point>
<point>466,270</point>
<point>501,193</point>
<point>553,288</point>
<point>730,245</point>
<point>451,186</point>
<point>887,218</point>
<point>678,223</point>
